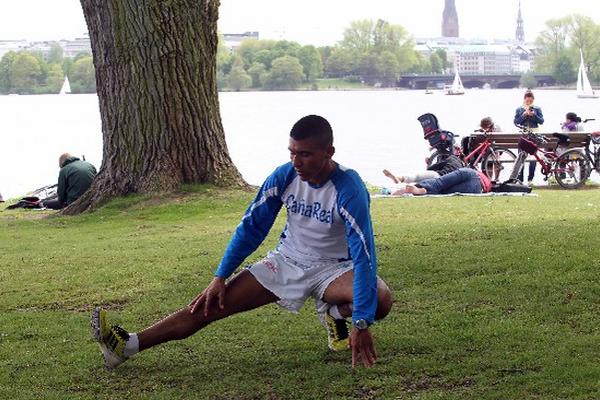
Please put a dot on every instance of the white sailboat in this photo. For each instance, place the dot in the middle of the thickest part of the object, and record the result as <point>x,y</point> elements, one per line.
<point>584,88</point>
<point>66,87</point>
<point>457,87</point>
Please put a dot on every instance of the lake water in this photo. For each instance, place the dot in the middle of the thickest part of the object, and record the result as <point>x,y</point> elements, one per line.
<point>372,129</point>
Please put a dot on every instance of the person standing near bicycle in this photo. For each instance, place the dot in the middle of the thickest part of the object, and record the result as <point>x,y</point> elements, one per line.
<point>529,116</point>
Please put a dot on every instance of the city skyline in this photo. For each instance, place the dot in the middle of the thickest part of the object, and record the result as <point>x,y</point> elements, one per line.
<point>310,21</point>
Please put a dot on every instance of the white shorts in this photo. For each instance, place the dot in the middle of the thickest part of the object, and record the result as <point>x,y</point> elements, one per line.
<point>294,282</point>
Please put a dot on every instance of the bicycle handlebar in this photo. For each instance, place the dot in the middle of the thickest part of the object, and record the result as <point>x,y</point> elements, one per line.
<point>524,129</point>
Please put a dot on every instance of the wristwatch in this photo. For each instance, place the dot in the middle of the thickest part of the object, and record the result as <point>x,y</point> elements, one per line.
<point>361,324</point>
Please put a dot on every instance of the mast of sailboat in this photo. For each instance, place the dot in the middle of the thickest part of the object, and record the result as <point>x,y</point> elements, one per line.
<point>580,74</point>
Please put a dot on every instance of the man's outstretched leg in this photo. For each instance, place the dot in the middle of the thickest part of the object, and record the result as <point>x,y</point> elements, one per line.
<point>242,293</point>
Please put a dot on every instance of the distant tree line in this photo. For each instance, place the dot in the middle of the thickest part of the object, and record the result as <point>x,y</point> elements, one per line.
<point>30,72</point>
<point>372,52</point>
<point>558,48</point>
<point>377,53</point>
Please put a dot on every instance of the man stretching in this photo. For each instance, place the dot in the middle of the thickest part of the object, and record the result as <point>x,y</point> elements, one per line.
<point>326,251</point>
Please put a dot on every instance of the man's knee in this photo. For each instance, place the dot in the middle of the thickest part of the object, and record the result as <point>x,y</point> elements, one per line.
<point>384,301</point>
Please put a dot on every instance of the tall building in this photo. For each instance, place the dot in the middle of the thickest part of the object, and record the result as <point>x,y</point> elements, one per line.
<point>485,59</point>
<point>520,35</point>
<point>450,20</point>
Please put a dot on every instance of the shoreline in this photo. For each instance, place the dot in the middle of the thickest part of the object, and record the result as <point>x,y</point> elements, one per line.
<point>336,89</point>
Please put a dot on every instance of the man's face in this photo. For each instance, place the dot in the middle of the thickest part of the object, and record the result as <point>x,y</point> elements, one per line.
<point>528,100</point>
<point>310,159</point>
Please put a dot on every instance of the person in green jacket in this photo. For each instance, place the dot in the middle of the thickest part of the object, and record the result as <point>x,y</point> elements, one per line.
<point>74,179</point>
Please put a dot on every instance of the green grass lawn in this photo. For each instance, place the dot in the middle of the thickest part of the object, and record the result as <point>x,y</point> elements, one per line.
<point>495,298</point>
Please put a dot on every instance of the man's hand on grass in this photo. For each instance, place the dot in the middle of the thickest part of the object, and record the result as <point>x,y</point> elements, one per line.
<point>363,347</point>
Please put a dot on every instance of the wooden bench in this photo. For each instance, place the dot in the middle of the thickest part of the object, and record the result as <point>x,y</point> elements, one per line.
<point>511,140</point>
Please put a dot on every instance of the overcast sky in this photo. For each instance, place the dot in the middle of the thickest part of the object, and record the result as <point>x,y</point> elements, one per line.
<point>318,22</point>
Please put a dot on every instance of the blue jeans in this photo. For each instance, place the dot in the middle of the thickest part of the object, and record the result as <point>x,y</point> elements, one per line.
<point>463,180</point>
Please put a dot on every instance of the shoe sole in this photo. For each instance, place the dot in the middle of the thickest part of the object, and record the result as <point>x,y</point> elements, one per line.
<point>95,322</point>
<point>344,347</point>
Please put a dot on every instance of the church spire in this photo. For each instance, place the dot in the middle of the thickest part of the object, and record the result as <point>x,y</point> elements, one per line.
<point>520,34</point>
<point>450,20</point>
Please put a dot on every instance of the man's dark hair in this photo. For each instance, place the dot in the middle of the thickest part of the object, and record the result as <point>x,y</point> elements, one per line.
<point>313,126</point>
<point>486,123</point>
<point>528,93</point>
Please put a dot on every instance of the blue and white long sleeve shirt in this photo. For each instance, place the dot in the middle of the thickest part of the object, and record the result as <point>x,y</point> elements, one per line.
<point>326,223</point>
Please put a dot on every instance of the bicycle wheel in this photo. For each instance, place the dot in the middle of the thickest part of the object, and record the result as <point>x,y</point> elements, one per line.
<point>571,169</point>
<point>498,164</point>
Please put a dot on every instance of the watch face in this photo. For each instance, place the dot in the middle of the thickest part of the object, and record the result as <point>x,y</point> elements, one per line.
<point>361,324</point>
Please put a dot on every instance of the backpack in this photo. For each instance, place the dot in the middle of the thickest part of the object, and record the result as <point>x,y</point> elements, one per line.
<point>27,202</point>
<point>511,187</point>
<point>486,183</point>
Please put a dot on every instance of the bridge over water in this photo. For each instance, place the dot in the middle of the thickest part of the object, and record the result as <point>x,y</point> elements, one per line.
<point>505,81</point>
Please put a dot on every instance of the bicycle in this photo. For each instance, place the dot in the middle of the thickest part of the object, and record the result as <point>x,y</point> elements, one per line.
<point>592,149</point>
<point>494,161</point>
<point>569,167</point>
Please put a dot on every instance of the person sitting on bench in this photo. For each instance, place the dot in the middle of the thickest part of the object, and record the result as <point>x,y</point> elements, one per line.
<point>572,123</point>
<point>487,124</point>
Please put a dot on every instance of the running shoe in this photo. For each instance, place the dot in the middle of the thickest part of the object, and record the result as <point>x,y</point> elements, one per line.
<point>338,332</point>
<point>111,339</point>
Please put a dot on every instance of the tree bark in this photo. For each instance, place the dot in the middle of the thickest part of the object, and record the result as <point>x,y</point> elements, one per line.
<point>155,67</point>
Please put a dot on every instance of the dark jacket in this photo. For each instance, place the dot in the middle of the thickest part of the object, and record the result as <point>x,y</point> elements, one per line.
<point>74,179</point>
<point>449,164</point>
<point>532,121</point>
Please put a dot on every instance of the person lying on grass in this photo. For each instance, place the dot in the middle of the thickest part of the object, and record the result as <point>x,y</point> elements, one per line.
<point>326,250</point>
<point>447,164</point>
<point>463,180</point>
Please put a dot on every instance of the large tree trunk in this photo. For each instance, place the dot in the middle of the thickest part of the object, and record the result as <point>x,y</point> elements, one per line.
<point>156,79</point>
